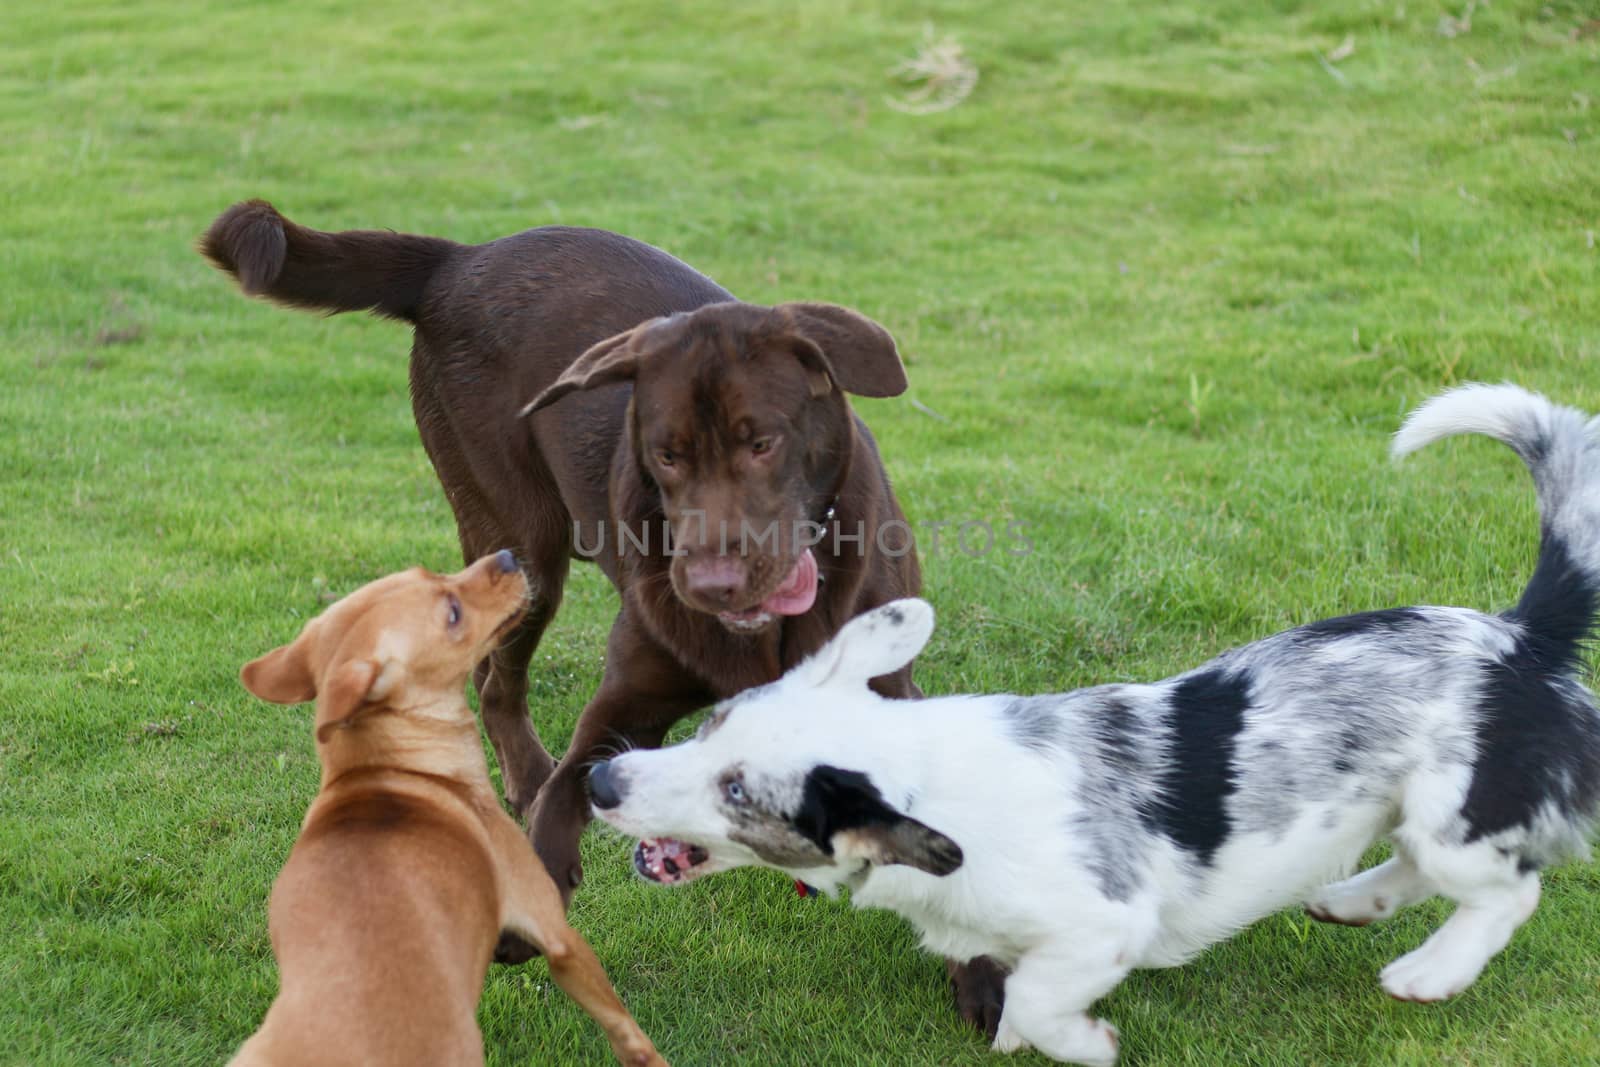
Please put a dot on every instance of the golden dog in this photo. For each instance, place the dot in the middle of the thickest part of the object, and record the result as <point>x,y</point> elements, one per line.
<point>407,870</point>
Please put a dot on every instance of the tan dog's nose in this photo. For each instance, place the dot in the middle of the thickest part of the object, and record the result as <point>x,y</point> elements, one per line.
<point>714,579</point>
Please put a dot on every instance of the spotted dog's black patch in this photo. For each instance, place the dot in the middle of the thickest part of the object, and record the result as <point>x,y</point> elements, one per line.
<point>836,800</point>
<point>1538,741</point>
<point>1035,722</point>
<point>896,616</point>
<point>1117,729</point>
<point>1102,731</point>
<point>1353,738</point>
<point>1115,788</point>
<point>1204,716</point>
<point>1391,621</point>
<point>1113,864</point>
<point>1538,744</point>
<point>1557,606</point>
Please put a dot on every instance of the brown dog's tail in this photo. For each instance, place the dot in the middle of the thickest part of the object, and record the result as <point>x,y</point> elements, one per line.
<point>357,270</point>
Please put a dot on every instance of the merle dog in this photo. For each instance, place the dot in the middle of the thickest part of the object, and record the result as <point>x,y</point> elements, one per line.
<point>1077,836</point>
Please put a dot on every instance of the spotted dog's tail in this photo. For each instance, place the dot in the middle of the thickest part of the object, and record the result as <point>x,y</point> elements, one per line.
<point>1560,446</point>
<point>357,270</point>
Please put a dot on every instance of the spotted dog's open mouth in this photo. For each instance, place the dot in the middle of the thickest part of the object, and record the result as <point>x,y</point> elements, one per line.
<point>668,862</point>
<point>794,596</point>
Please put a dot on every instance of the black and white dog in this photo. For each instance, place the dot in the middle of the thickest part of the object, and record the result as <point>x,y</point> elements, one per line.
<point>1077,836</point>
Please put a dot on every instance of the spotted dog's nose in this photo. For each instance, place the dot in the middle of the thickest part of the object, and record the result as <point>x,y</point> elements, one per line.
<point>604,788</point>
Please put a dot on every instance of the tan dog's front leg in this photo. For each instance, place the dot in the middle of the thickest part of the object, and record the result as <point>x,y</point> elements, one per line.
<point>534,910</point>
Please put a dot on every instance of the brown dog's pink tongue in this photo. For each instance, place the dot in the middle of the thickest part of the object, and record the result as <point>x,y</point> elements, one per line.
<point>798,591</point>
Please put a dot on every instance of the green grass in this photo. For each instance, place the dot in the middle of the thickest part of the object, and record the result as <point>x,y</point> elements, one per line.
<point>1166,282</point>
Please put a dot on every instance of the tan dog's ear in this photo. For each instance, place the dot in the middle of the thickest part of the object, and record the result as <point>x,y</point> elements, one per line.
<point>354,689</point>
<point>613,360</point>
<point>845,347</point>
<point>282,676</point>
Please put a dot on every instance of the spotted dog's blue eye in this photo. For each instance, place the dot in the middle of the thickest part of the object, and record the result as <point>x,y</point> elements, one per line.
<point>734,790</point>
<point>455,611</point>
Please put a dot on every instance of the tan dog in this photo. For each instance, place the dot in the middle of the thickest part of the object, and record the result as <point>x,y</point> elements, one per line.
<point>407,869</point>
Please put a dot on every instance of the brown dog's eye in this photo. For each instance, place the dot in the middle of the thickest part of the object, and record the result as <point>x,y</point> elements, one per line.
<point>665,457</point>
<point>761,446</point>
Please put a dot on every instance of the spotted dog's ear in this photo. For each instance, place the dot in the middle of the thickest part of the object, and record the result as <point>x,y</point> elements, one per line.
<point>874,643</point>
<point>843,813</point>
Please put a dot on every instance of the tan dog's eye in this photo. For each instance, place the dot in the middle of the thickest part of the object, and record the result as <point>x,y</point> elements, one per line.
<point>455,611</point>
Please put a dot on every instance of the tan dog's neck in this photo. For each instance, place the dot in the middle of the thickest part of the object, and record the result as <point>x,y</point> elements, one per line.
<point>437,737</point>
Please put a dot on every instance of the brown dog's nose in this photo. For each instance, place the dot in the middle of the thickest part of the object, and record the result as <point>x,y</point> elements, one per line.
<point>715,579</point>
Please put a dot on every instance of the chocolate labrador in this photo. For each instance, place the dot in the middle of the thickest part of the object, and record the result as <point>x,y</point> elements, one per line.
<point>585,395</point>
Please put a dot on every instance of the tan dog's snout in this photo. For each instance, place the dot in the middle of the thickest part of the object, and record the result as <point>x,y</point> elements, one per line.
<point>504,588</point>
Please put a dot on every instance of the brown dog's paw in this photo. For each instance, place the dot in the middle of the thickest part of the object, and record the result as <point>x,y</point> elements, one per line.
<point>979,986</point>
<point>568,877</point>
<point>513,949</point>
<point>558,851</point>
<point>566,871</point>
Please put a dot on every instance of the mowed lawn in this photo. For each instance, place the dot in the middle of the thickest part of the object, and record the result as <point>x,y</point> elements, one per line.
<point>1165,282</point>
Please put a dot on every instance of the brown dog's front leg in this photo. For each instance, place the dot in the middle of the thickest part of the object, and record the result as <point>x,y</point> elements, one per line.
<point>644,691</point>
<point>979,986</point>
<point>502,681</point>
<point>610,724</point>
<point>561,811</point>
<point>559,815</point>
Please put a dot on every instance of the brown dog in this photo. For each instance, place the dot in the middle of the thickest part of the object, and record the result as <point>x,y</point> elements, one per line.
<point>691,446</point>
<point>386,916</point>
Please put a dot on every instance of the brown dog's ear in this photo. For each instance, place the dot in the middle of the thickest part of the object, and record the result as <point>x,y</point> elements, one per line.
<point>843,813</point>
<point>354,689</point>
<point>847,348</point>
<point>282,676</point>
<point>613,360</point>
